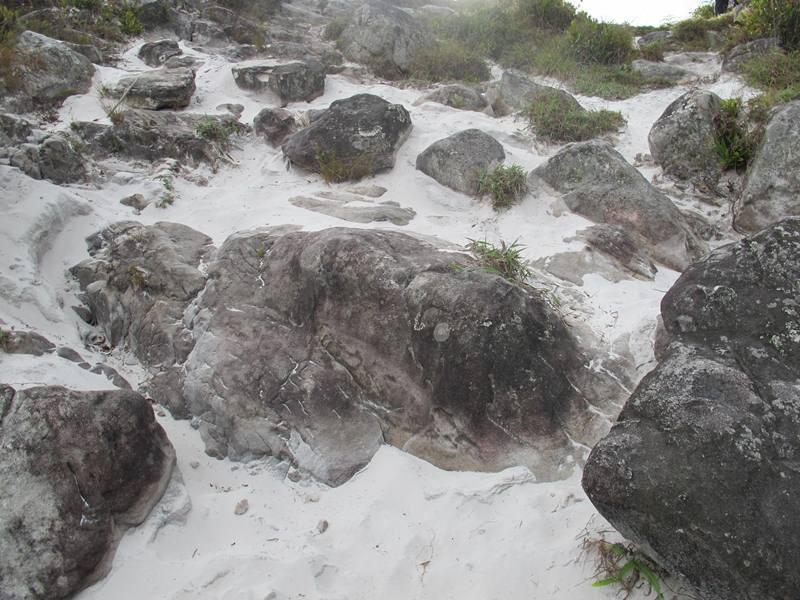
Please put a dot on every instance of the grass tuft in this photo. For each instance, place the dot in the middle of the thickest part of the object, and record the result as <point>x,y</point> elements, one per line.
<point>592,42</point>
<point>554,118</point>
<point>215,130</point>
<point>336,170</point>
<point>449,60</point>
<point>505,185</point>
<point>505,260</point>
<point>624,565</point>
<point>734,141</point>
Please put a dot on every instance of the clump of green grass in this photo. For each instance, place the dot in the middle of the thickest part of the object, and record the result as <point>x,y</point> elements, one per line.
<point>734,141</point>
<point>215,130</point>
<point>505,260</point>
<point>8,23</point>
<point>167,197</point>
<point>704,11</point>
<point>504,184</point>
<point>333,30</point>
<point>653,51</point>
<point>449,60</point>
<point>553,15</point>
<point>777,74</point>
<point>694,33</point>
<point>625,566</point>
<point>779,18</point>
<point>129,22</point>
<point>554,117</point>
<point>336,170</point>
<point>593,42</point>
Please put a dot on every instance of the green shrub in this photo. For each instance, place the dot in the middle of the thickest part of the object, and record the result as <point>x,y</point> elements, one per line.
<point>333,30</point>
<point>505,260</point>
<point>504,184</point>
<point>653,51</point>
<point>215,130</point>
<point>733,143</point>
<point>449,61</point>
<point>84,4</point>
<point>129,22</point>
<point>555,117</point>
<point>554,15</point>
<point>487,30</point>
<point>336,170</point>
<point>704,11</point>
<point>778,74</point>
<point>779,18</point>
<point>602,43</point>
<point>8,23</point>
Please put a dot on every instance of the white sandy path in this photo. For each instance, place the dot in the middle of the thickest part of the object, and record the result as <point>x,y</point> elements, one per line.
<point>402,528</point>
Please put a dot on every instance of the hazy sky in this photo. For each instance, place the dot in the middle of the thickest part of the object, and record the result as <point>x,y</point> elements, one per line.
<point>638,12</point>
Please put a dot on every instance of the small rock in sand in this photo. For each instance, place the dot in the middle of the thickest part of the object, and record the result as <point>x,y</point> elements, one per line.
<point>194,464</point>
<point>242,507</point>
<point>322,526</point>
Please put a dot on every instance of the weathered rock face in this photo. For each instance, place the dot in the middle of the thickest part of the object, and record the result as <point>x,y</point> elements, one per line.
<point>49,71</point>
<point>514,91</point>
<point>772,189</point>
<point>457,161</point>
<point>384,36</point>
<point>138,284</point>
<point>682,139</point>
<point>75,467</point>
<point>620,246</point>
<point>457,96</point>
<point>700,468</point>
<point>150,135</point>
<point>53,159</point>
<point>275,125</point>
<point>355,208</point>
<point>156,90</point>
<point>298,81</point>
<point>740,54</point>
<point>155,54</point>
<point>598,183</point>
<point>317,347</point>
<point>362,128</point>
<point>660,70</point>
<point>366,335</point>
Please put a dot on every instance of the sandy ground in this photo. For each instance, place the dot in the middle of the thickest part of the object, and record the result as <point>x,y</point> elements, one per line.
<point>400,529</point>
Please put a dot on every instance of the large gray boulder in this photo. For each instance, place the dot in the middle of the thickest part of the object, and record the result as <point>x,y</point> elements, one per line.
<point>514,91</point>
<point>76,469</point>
<point>740,54</point>
<point>700,468</point>
<point>317,347</point>
<point>682,139</point>
<point>53,159</point>
<point>292,82</point>
<point>457,96</point>
<point>772,189</point>
<point>383,36</point>
<point>356,136</point>
<point>459,160</point>
<point>661,70</point>
<point>153,135</point>
<point>156,90</point>
<point>155,54</point>
<point>595,181</point>
<point>274,124</point>
<point>48,71</point>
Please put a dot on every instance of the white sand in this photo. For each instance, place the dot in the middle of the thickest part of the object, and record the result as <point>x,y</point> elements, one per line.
<point>401,529</point>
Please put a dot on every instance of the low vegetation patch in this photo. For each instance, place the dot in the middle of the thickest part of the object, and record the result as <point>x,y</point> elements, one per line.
<point>449,60</point>
<point>5,338</point>
<point>653,51</point>
<point>215,130</point>
<point>505,260</point>
<point>777,74</point>
<point>333,30</point>
<point>624,566</point>
<point>336,170</point>
<point>779,18</point>
<point>592,42</point>
<point>736,137</point>
<point>554,118</point>
<point>504,184</point>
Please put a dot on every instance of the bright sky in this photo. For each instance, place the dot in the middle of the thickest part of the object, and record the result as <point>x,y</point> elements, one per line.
<point>638,12</point>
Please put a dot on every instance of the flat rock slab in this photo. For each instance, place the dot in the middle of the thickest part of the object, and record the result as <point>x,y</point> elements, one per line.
<point>350,207</point>
<point>156,90</point>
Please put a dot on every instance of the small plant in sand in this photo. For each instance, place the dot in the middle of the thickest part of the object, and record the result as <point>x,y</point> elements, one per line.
<point>336,170</point>
<point>624,565</point>
<point>734,142</point>
<point>504,184</point>
<point>505,260</point>
<point>215,130</point>
<point>554,117</point>
<point>167,197</point>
